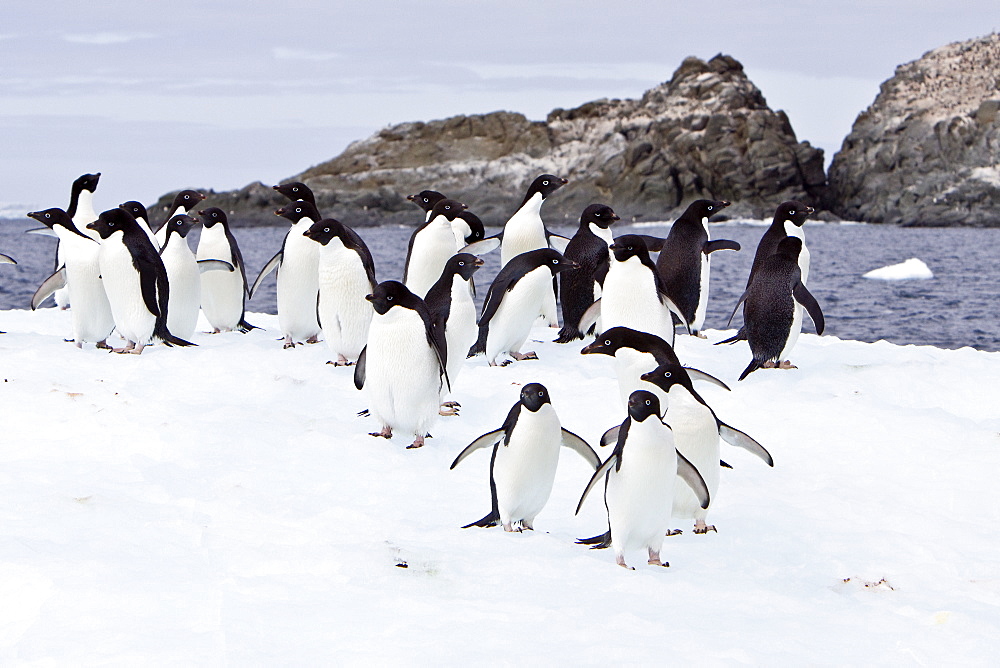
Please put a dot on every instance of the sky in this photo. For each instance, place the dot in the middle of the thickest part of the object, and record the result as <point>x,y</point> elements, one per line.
<point>164,96</point>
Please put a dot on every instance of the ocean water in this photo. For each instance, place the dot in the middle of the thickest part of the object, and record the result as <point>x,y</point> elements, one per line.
<point>959,306</point>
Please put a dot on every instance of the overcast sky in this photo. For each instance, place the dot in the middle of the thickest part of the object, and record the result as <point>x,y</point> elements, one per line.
<point>160,96</point>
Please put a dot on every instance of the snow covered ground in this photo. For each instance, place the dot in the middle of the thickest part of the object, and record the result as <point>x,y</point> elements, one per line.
<point>224,505</point>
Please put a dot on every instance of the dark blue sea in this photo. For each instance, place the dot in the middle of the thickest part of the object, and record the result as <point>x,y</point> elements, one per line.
<point>959,307</point>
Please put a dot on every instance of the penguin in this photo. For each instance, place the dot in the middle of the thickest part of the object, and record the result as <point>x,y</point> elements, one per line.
<point>426,199</point>
<point>403,368</point>
<point>298,276</point>
<point>81,211</point>
<point>685,261</point>
<point>296,191</point>
<point>513,302</point>
<point>91,312</point>
<point>524,230</point>
<point>639,481</point>
<point>524,460</point>
<point>452,309</point>
<point>141,216</point>
<point>223,293</point>
<point>135,281</point>
<point>184,203</point>
<point>770,308</point>
<point>633,295</point>
<point>431,246</point>
<point>467,226</point>
<point>588,248</point>
<point>346,275</point>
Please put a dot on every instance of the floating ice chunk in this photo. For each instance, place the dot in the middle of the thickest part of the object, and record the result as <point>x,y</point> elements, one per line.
<point>911,269</point>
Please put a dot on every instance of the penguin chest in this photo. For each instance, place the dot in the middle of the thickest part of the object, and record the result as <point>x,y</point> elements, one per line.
<point>432,247</point>
<point>121,283</point>
<point>91,312</point>
<point>185,287</point>
<point>630,364</point>
<point>525,468</point>
<point>630,299</point>
<point>704,271</point>
<point>793,230</point>
<point>696,436</point>
<point>460,330</point>
<point>510,325</point>
<point>344,313</point>
<point>524,232</point>
<point>221,291</point>
<point>639,495</point>
<point>298,284</point>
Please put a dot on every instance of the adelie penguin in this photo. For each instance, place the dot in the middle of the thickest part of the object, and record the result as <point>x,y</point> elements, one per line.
<point>81,211</point>
<point>513,302</point>
<point>403,368</point>
<point>135,281</point>
<point>579,288</point>
<point>346,277</point>
<point>639,481</point>
<point>684,263</point>
<point>430,247</point>
<point>769,314</point>
<point>223,293</point>
<point>467,227</point>
<point>183,203</point>
<point>524,460</point>
<point>296,191</point>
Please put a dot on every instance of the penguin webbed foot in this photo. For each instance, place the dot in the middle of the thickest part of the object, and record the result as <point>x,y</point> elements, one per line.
<point>452,404</point>
<point>654,560</point>
<point>288,343</point>
<point>447,411</point>
<point>701,528</point>
<point>385,433</point>
<point>620,560</point>
<point>520,357</point>
<point>418,442</point>
<point>364,413</point>
<point>785,364</point>
<point>674,532</point>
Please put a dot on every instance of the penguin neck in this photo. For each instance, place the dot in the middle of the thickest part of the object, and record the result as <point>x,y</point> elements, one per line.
<point>793,230</point>
<point>532,203</point>
<point>603,233</point>
<point>84,208</point>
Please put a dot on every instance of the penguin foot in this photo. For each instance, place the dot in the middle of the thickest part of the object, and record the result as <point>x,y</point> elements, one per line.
<point>288,344</point>
<point>341,363</point>
<point>785,364</point>
<point>699,334</point>
<point>312,339</point>
<point>418,442</point>
<point>620,560</point>
<point>385,433</point>
<point>654,560</point>
<point>448,411</point>
<point>364,413</point>
<point>674,532</point>
<point>520,357</point>
<point>103,345</point>
<point>512,527</point>
<point>453,404</point>
<point>701,527</point>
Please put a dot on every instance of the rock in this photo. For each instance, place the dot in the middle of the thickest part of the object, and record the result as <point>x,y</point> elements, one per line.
<point>927,151</point>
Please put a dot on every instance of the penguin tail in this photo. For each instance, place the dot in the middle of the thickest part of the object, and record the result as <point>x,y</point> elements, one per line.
<point>163,334</point>
<point>753,366</point>
<point>243,326</point>
<point>740,336</point>
<point>601,542</point>
<point>492,519</point>
<point>568,334</point>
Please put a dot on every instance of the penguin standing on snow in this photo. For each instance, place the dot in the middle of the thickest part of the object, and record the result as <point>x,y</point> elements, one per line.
<point>403,368</point>
<point>685,261</point>
<point>588,248</point>
<point>223,293</point>
<point>92,319</point>
<point>513,303</point>
<point>431,246</point>
<point>346,276</point>
<point>183,204</point>
<point>81,211</point>
<point>769,314</point>
<point>525,455</point>
<point>639,481</point>
<point>135,281</point>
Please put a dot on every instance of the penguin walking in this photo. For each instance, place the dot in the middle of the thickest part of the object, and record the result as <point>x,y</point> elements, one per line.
<point>452,309</point>
<point>346,275</point>
<point>513,302</point>
<point>581,287</point>
<point>403,368</point>
<point>431,246</point>
<point>297,265</point>
<point>223,293</point>
<point>135,281</point>
<point>81,211</point>
<point>770,309</point>
<point>91,312</point>
<point>639,481</point>
<point>684,263</point>
<point>141,216</point>
<point>524,460</point>
<point>183,203</point>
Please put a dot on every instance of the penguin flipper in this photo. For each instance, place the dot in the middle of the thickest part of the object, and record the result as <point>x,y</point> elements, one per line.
<point>557,241</point>
<point>676,310</point>
<point>653,244</point>
<point>54,282</point>
<point>359,368</point>
<point>602,470</point>
<point>271,265</point>
<point>734,436</point>
<point>600,542</point>
<point>743,298</point>
<point>590,316</point>
<point>491,519</point>
<point>214,265</point>
<point>753,366</point>
<point>42,232</point>
<point>610,436</point>
<point>483,245</point>
<point>719,244</point>
<point>487,440</point>
<point>6,259</point>
<point>689,474</point>
<point>574,442</point>
<point>740,336</point>
<point>804,297</point>
<point>147,285</point>
<point>707,377</point>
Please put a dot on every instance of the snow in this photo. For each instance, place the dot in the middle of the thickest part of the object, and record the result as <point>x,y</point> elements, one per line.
<point>913,268</point>
<point>224,505</point>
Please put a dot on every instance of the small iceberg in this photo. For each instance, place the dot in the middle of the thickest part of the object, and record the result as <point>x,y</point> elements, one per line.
<point>909,270</point>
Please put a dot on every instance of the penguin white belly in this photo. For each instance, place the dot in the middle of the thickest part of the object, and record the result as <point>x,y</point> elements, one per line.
<point>630,364</point>
<point>121,282</point>
<point>92,318</point>
<point>185,288</point>
<point>62,295</point>
<point>525,469</point>
<point>702,308</point>
<point>510,325</point>
<point>460,229</point>
<point>432,247</point>
<point>793,230</point>
<point>696,436</point>
<point>221,291</point>
<point>402,378</point>
<point>298,285</point>
<point>344,313</point>
<point>639,495</point>
<point>524,232</point>
<point>630,300</point>
<point>461,331</point>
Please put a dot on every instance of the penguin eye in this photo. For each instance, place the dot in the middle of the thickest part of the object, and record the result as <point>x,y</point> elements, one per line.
<point>295,190</point>
<point>555,261</point>
<point>607,342</point>
<point>447,207</point>
<point>461,264</point>
<point>541,394</point>
<point>426,200</point>
<point>710,208</point>
<point>326,229</point>
<point>389,298</point>
<point>298,210</point>
<point>792,212</point>
<point>666,374</point>
<point>48,215</point>
<point>648,402</point>
<point>545,183</point>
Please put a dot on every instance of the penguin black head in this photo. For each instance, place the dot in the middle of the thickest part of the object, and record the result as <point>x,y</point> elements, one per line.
<point>548,257</point>
<point>213,215</point>
<point>296,191</point>
<point>391,293</point>
<point>628,246</point>
<point>598,214</point>
<point>609,342</point>
<point>51,217</point>
<point>789,247</point>
<point>793,212</point>
<point>187,199</point>
<point>667,375</point>
<point>448,208</point>
<point>703,208</point>
<point>642,404</point>
<point>296,211</point>
<point>426,199</point>
<point>477,231</point>
<point>180,224</point>
<point>322,231</point>
<point>534,396</point>
<point>546,184</point>
<point>135,208</point>
<point>463,264</point>
<point>113,220</point>
<point>86,182</point>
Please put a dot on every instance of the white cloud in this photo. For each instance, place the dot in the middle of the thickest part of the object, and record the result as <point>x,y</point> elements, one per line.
<point>106,38</point>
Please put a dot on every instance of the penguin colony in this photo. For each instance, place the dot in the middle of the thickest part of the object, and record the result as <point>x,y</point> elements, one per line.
<point>408,339</point>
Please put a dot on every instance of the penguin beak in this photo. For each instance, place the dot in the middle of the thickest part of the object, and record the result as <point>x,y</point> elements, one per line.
<point>370,298</point>
<point>590,348</point>
<point>92,226</point>
<point>564,181</point>
<point>614,246</point>
<point>479,262</point>
<point>810,210</point>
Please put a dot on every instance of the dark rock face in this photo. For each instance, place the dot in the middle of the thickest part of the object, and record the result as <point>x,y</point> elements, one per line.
<point>927,152</point>
<point>706,133</point>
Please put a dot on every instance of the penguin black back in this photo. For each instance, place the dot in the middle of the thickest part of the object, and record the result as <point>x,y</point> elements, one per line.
<point>591,253</point>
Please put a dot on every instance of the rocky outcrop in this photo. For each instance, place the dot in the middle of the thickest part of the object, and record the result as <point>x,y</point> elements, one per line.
<point>707,132</point>
<point>927,151</point>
